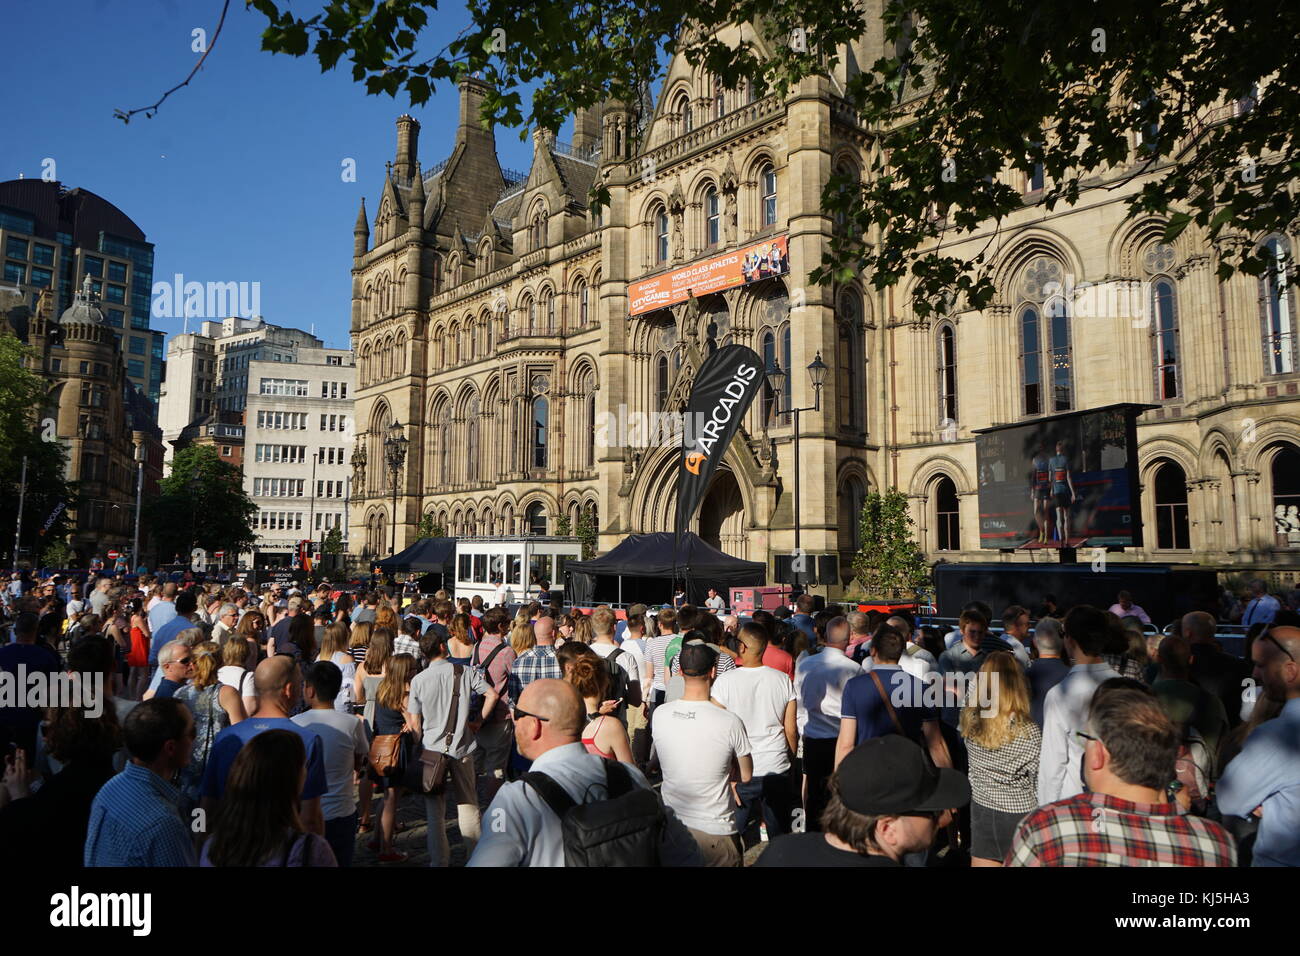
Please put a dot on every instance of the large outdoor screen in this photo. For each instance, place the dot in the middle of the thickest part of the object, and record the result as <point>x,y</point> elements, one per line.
<point>1064,481</point>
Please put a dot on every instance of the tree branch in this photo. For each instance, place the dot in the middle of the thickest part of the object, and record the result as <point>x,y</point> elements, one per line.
<point>149,111</point>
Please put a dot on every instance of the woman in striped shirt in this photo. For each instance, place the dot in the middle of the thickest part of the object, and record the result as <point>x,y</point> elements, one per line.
<point>1002,744</point>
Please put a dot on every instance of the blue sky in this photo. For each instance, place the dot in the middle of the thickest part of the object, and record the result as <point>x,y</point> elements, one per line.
<point>238,176</point>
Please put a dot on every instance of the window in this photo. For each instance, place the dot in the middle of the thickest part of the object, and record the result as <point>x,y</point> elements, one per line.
<point>116,318</point>
<point>684,111</point>
<point>16,248</point>
<point>1165,339</point>
<point>138,346</point>
<point>852,495</point>
<point>135,368</point>
<point>711,217</point>
<point>540,413</point>
<point>284,386</point>
<point>535,519</point>
<point>1045,351</point>
<point>661,383</point>
<point>41,278</point>
<point>1277,305</point>
<point>15,273</point>
<point>1286,494</point>
<point>769,394</point>
<point>767,180</point>
<point>93,266</point>
<point>849,362</point>
<point>113,293</point>
<point>661,236</point>
<point>947,374</point>
<point>719,100</point>
<point>44,255</point>
<point>947,516</point>
<point>583,304</point>
<point>116,272</point>
<point>1172,529</point>
<point>1030,371</point>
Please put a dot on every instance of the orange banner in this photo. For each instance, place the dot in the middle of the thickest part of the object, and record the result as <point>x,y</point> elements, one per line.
<point>741,267</point>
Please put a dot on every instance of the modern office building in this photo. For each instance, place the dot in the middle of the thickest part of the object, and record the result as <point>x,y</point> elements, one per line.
<point>53,237</point>
<point>276,402</point>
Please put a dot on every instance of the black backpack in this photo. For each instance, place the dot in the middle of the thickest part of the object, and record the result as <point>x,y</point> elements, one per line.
<point>623,829</point>
<point>619,685</point>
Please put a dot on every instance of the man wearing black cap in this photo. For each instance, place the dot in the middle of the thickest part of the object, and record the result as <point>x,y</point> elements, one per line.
<point>701,747</point>
<point>886,801</point>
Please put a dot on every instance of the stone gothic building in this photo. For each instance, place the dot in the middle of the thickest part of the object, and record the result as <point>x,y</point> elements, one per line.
<point>506,326</point>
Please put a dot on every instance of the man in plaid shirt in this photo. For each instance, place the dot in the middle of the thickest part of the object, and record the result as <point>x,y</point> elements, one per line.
<point>536,662</point>
<point>1127,817</point>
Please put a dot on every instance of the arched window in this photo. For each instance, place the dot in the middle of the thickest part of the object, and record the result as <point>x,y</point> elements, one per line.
<point>471,445</point>
<point>852,495</point>
<point>550,311</point>
<point>712,217</point>
<point>1286,495</point>
<point>947,515</point>
<point>589,447</point>
<point>769,394</point>
<point>947,374</point>
<point>849,362</point>
<point>583,295</point>
<point>683,110</point>
<point>719,99</point>
<point>767,183</point>
<point>1277,308</point>
<point>1172,529</point>
<point>661,383</point>
<point>541,411</point>
<point>538,229</point>
<point>1046,359</point>
<point>661,235</point>
<point>1164,336</point>
<point>535,518</point>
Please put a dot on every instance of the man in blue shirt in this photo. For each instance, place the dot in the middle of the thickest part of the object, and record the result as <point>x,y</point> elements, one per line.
<point>1262,607</point>
<point>1265,776</point>
<point>888,700</point>
<point>135,818</point>
<point>278,681</point>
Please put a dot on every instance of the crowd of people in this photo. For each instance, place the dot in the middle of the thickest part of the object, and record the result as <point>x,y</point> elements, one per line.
<point>286,726</point>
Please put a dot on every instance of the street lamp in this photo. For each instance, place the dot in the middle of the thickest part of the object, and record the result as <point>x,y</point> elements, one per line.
<point>139,497</point>
<point>395,443</point>
<point>777,378</point>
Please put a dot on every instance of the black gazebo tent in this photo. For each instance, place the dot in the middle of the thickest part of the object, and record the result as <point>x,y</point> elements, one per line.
<point>434,558</point>
<point>643,566</point>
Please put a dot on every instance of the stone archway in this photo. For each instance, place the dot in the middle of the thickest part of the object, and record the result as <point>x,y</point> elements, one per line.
<point>722,516</point>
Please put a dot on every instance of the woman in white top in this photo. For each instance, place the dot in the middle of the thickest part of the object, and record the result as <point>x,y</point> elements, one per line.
<point>236,673</point>
<point>334,648</point>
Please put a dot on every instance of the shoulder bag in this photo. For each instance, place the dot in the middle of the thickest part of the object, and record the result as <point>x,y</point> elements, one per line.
<point>428,772</point>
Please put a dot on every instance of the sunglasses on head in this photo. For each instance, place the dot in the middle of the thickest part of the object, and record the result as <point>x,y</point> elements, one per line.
<point>1268,636</point>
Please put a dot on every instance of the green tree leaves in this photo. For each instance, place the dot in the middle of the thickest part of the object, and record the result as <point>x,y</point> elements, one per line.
<point>889,565</point>
<point>202,504</point>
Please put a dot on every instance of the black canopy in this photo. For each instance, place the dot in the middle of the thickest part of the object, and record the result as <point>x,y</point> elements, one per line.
<point>427,554</point>
<point>642,569</point>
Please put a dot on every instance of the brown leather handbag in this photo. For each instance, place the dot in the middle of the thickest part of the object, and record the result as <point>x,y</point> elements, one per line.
<point>385,753</point>
<point>429,771</point>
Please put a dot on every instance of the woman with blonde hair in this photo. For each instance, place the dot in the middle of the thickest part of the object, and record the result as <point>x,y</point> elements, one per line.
<point>359,641</point>
<point>522,638</point>
<point>235,672</point>
<point>391,717</point>
<point>1002,745</point>
<point>582,629</point>
<point>365,687</point>
<point>334,648</point>
<point>215,707</point>
<point>521,616</point>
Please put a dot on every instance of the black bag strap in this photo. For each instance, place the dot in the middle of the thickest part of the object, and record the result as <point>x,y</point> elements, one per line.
<point>617,779</point>
<point>613,656</point>
<point>450,731</point>
<point>551,792</point>
<point>491,656</point>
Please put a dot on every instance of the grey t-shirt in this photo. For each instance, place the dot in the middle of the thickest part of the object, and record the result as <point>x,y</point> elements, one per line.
<point>365,614</point>
<point>431,694</point>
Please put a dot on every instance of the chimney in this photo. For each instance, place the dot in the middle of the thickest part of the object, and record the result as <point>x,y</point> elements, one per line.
<point>586,127</point>
<point>408,147</point>
<point>472,92</point>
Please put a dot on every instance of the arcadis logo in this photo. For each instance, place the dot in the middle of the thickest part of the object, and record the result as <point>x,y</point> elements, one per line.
<point>719,417</point>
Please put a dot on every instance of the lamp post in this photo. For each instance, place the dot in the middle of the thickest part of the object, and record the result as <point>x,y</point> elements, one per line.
<point>139,497</point>
<point>817,377</point>
<point>395,443</point>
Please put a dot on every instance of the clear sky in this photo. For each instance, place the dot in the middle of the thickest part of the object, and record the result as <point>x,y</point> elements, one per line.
<point>238,176</point>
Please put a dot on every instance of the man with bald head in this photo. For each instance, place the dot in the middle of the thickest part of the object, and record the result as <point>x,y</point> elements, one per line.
<point>1215,672</point>
<point>520,829</point>
<point>1264,778</point>
<point>536,663</point>
<point>278,681</point>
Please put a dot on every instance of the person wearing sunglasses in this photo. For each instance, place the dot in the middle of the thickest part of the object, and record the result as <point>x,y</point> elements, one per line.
<point>176,664</point>
<point>1264,779</point>
<point>886,801</point>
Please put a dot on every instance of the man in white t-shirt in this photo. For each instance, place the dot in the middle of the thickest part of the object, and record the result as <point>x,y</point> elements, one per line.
<point>602,626</point>
<point>502,595</point>
<point>715,602</point>
<point>702,748</point>
<point>764,698</point>
<point>819,681</point>
<point>345,746</point>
